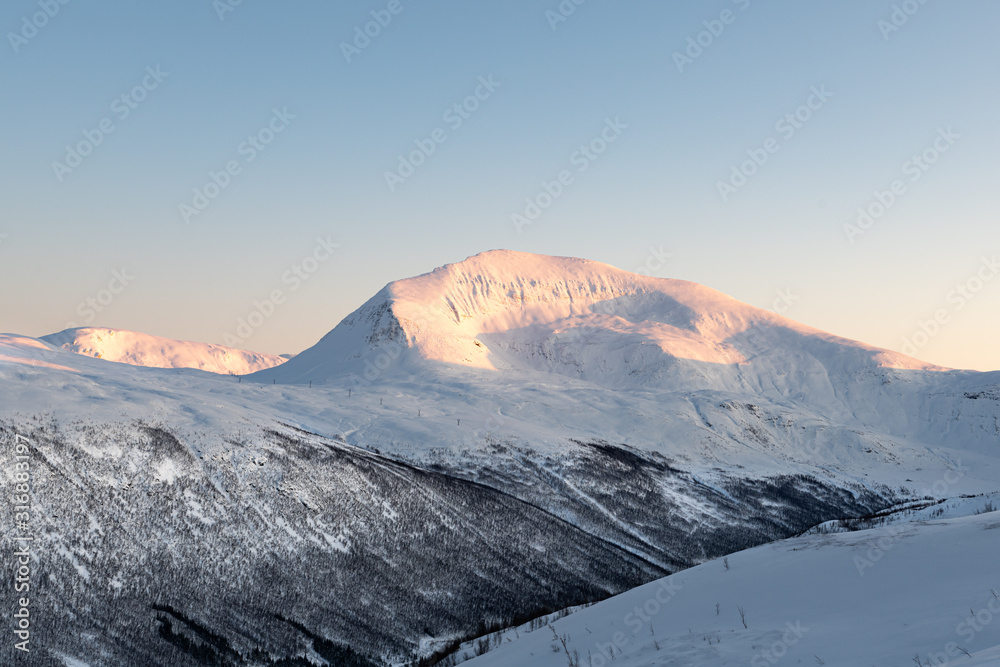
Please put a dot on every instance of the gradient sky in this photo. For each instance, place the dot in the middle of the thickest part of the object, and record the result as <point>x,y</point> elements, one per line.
<point>654,187</point>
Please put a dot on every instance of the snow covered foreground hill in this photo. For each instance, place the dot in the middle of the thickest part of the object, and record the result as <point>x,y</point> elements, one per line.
<point>902,594</point>
<point>500,438</point>
<point>138,349</point>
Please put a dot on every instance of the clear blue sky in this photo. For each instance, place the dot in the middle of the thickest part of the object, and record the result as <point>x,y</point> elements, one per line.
<point>656,185</point>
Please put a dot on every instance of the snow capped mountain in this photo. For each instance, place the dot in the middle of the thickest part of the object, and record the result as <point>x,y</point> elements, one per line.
<point>497,439</point>
<point>139,349</point>
<point>505,310</point>
<point>504,321</point>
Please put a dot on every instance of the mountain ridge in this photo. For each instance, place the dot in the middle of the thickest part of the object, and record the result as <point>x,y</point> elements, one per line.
<point>497,309</point>
<point>407,483</point>
<point>140,349</point>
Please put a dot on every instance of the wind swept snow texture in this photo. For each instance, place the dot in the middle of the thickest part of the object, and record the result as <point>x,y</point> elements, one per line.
<point>138,349</point>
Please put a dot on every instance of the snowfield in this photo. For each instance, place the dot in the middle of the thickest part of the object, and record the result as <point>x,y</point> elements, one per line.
<point>494,441</point>
<point>138,349</point>
<point>925,591</point>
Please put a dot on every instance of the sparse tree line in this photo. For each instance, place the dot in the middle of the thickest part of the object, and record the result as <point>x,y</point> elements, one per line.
<point>232,549</point>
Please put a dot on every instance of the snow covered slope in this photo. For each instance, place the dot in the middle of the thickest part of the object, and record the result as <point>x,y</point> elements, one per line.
<point>504,320</point>
<point>139,349</point>
<point>512,310</point>
<point>924,591</point>
<point>638,425</point>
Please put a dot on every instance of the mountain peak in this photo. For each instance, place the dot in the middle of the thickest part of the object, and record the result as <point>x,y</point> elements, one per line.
<point>510,310</point>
